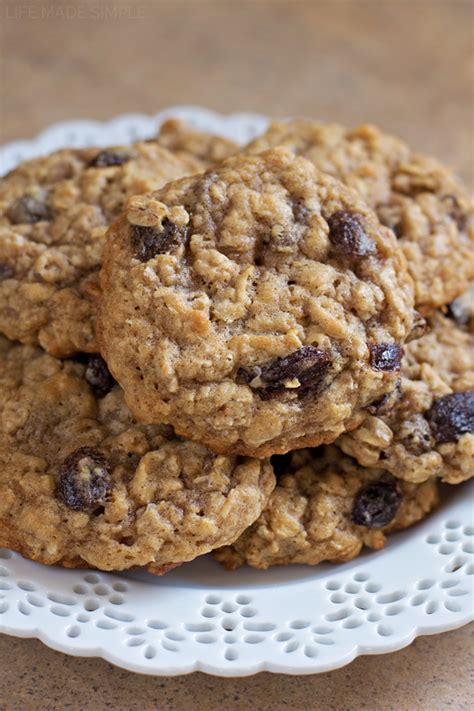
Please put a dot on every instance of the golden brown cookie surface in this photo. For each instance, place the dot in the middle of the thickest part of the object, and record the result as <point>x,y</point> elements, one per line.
<point>426,428</point>
<point>428,208</point>
<point>256,307</point>
<point>184,141</point>
<point>326,508</point>
<point>54,212</point>
<point>82,483</point>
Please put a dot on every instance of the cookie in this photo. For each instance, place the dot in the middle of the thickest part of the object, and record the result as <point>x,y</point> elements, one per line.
<point>426,427</point>
<point>461,310</point>
<point>83,484</point>
<point>54,212</point>
<point>428,208</point>
<point>327,508</point>
<point>257,307</point>
<point>183,141</point>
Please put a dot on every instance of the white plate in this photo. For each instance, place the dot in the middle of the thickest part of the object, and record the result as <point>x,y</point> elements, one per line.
<point>296,620</point>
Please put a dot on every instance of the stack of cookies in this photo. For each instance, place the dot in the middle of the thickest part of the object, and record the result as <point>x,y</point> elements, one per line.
<point>262,351</point>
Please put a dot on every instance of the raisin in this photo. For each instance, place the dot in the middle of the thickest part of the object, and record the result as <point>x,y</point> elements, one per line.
<point>6,271</point>
<point>105,159</point>
<point>308,366</point>
<point>386,357</point>
<point>28,210</point>
<point>347,235</point>
<point>415,434</point>
<point>456,211</point>
<point>461,310</point>
<point>397,230</point>
<point>376,504</point>
<point>84,480</point>
<point>281,463</point>
<point>98,375</point>
<point>387,402</point>
<point>451,416</point>
<point>147,242</point>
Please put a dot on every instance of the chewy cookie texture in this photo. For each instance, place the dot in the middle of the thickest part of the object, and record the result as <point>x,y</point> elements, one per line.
<point>83,484</point>
<point>54,213</point>
<point>326,508</point>
<point>425,428</point>
<point>185,142</point>
<point>266,390</point>
<point>257,307</point>
<point>428,208</point>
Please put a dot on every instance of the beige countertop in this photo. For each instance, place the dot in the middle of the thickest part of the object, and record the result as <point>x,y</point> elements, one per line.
<point>404,64</point>
<point>435,673</point>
